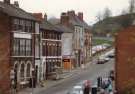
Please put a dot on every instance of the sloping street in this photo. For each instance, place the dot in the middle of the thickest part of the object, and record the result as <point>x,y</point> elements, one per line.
<point>90,73</point>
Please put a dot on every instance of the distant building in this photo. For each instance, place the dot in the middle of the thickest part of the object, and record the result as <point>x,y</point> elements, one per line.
<point>67,47</point>
<point>125,61</point>
<point>81,36</point>
<point>18,31</point>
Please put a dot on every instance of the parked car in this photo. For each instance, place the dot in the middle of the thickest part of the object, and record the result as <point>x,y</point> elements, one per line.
<point>112,55</point>
<point>76,90</point>
<point>101,60</point>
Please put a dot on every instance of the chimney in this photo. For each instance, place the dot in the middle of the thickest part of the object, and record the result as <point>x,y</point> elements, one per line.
<point>7,1</point>
<point>16,4</point>
<point>45,17</point>
<point>64,19</point>
<point>80,16</point>
<point>38,16</point>
<point>71,13</point>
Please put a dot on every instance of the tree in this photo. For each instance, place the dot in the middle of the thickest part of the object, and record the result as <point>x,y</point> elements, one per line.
<point>107,13</point>
<point>131,6</point>
<point>99,17</point>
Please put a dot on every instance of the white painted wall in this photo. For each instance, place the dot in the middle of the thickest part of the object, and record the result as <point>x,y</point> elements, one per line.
<point>67,40</point>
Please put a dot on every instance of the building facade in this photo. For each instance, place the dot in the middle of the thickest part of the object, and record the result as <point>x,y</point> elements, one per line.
<point>82,36</point>
<point>18,31</point>
<point>125,61</point>
<point>51,46</point>
<point>67,47</point>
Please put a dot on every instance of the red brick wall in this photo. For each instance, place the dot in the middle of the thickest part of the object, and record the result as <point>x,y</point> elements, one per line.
<point>4,54</point>
<point>125,60</point>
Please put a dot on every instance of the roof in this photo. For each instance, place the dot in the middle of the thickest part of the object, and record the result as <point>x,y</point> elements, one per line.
<point>14,11</point>
<point>76,21</point>
<point>48,26</point>
<point>64,29</point>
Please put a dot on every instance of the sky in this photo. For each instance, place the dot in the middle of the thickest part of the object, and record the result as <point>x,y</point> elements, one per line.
<point>90,8</point>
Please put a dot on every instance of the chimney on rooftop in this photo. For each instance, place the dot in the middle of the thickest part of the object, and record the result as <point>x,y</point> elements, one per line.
<point>16,3</point>
<point>7,1</point>
<point>45,17</point>
<point>38,16</point>
<point>80,15</point>
<point>71,13</point>
<point>64,19</point>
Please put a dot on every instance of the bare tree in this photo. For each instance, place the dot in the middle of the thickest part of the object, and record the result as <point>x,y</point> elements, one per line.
<point>107,13</point>
<point>124,12</point>
<point>99,17</point>
<point>131,6</point>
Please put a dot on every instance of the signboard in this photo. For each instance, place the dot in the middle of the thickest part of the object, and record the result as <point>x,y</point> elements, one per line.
<point>66,60</point>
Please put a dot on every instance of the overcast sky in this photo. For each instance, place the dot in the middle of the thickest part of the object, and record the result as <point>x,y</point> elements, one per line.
<point>90,8</point>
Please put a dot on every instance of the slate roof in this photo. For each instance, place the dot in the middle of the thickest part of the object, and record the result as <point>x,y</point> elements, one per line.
<point>14,11</point>
<point>48,26</point>
<point>64,28</point>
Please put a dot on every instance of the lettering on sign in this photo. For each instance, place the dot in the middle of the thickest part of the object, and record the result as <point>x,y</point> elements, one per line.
<point>66,60</point>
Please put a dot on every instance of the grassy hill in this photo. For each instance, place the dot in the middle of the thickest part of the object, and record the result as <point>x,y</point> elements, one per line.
<point>112,24</point>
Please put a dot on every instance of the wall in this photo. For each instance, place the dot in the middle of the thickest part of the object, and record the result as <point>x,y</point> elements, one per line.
<point>125,60</point>
<point>4,54</point>
<point>67,44</point>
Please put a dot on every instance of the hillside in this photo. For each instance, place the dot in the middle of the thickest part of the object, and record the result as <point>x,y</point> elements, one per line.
<point>113,24</point>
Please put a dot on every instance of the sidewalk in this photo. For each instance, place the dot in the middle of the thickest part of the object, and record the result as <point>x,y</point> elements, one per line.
<point>50,83</point>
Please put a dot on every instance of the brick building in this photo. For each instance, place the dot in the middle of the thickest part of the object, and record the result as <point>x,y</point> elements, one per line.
<point>17,45</point>
<point>82,36</point>
<point>125,61</point>
<point>51,48</point>
<point>67,47</point>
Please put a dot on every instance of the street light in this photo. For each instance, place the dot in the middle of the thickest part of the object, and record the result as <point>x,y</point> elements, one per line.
<point>32,80</point>
<point>76,53</point>
<point>12,77</point>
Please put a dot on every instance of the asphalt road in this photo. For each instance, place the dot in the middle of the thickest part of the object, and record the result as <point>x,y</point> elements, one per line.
<point>91,73</point>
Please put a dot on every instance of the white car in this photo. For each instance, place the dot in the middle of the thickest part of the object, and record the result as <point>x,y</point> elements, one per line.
<point>76,90</point>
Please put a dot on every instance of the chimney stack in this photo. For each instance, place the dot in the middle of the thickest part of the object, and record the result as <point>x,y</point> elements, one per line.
<point>38,16</point>
<point>16,4</point>
<point>64,19</point>
<point>80,16</point>
<point>71,13</point>
<point>7,1</point>
<point>45,17</point>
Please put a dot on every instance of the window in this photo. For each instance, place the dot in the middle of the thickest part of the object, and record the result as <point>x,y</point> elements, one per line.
<point>28,47</point>
<point>28,72</point>
<point>22,70</point>
<point>22,47</point>
<point>16,47</point>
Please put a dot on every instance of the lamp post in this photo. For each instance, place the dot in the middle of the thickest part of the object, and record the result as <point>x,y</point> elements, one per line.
<point>12,78</point>
<point>76,53</point>
<point>32,80</point>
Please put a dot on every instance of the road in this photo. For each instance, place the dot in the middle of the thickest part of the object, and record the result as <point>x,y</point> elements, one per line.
<point>91,73</point>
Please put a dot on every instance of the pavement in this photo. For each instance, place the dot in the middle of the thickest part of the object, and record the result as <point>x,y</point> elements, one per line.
<point>65,76</point>
<point>51,83</point>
